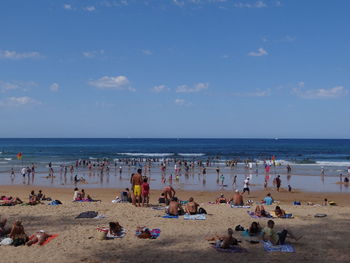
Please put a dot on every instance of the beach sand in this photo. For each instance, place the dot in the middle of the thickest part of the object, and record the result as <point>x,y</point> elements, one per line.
<point>324,239</point>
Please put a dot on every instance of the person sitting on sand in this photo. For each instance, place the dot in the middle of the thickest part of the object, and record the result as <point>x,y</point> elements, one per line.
<point>268,200</point>
<point>175,208</point>
<point>126,196</point>
<point>191,207</point>
<point>277,238</point>
<point>237,199</point>
<point>254,229</point>
<point>161,199</point>
<point>115,230</point>
<point>221,199</point>
<point>143,232</point>
<point>39,237</point>
<point>76,195</point>
<point>260,211</point>
<point>279,212</point>
<point>3,229</point>
<point>17,234</point>
<point>33,199</point>
<point>169,193</point>
<point>225,241</point>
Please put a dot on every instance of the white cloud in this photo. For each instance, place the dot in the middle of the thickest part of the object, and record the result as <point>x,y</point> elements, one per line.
<point>67,6</point>
<point>288,38</point>
<point>160,88</point>
<point>93,53</point>
<point>54,87</point>
<point>17,101</point>
<point>15,85</point>
<point>89,8</point>
<point>179,3</point>
<point>147,52</point>
<point>335,92</point>
<point>180,102</point>
<point>256,93</point>
<point>196,88</point>
<point>225,56</point>
<point>257,4</point>
<point>114,83</point>
<point>8,54</point>
<point>259,53</point>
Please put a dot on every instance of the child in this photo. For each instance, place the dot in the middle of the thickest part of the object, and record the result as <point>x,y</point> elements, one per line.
<point>145,192</point>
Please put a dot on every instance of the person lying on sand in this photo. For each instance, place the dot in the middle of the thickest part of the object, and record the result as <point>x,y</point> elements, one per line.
<point>191,207</point>
<point>260,211</point>
<point>175,208</point>
<point>279,212</point>
<point>225,241</point>
<point>10,200</point>
<point>237,199</point>
<point>277,238</point>
<point>143,232</point>
<point>39,237</point>
<point>17,234</point>
<point>221,199</point>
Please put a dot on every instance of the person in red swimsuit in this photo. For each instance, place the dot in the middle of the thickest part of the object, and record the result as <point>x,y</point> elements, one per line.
<point>145,192</point>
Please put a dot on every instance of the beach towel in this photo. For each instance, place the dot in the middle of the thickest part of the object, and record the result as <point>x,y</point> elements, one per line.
<point>320,215</point>
<point>49,239</point>
<point>286,216</point>
<point>252,215</point>
<point>88,214</point>
<point>195,217</point>
<point>55,202</point>
<point>231,249</point>
<point>155,233</point>
<point>240,206</point>
<point>109,235</point>
<point>170,216</point>
<point>158,207</point>
<point>279,248</point>
<point>100,216</point>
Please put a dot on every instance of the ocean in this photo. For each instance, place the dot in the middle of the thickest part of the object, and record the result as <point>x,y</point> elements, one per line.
<point>306,156</point>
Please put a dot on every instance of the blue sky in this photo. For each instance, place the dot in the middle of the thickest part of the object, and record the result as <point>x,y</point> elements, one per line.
<point>166,68</point>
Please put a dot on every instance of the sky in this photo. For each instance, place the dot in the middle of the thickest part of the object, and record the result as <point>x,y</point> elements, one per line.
<point>175,68</point>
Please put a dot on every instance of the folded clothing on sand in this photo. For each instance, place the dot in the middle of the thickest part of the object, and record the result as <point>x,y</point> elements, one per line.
<point>153,234</point>
<point>170,216</point>
<point>240,206</point>
<point>195,217</point>
<point>279,248</point>
<point>111,236</point>
<point>88,214</point>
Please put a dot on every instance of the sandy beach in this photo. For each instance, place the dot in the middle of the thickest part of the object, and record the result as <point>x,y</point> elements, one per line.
<point>324,239</point>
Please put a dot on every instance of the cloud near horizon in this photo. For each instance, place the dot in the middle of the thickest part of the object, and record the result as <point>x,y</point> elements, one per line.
<point>9,54</point>
<point>259,53</point>
<point>18,101</point>
<point>335,92</point>
<point>196,88</point>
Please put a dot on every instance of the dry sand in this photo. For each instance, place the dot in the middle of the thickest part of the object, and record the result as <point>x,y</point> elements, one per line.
<point>325,239</point>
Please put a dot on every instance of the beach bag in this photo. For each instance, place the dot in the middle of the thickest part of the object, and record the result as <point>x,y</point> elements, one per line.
<point>102,235</point>
<point>239,228</point>
<point>297,203</point>
<point>202,211</point>
<point>6,242</point>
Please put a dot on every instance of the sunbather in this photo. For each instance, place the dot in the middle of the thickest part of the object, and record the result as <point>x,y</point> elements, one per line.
<point>225,241</point>
<point>169,193</point>
<point>175,208</point>
<point>3,229</point>
<point>260,211</point>
<point>17,234</point>
<point>254,229</point>
<point>115,230</point>
<point>191,207</point>
<point>39,237</point>
<point>277,238</point>
<point>268,200</point>
<point>279,212</point>
<point>221,199</point>
<point>33,199</point>
<point>237,199</point>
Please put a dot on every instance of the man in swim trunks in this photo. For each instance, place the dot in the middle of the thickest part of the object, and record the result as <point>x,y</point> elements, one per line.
<point>136,185</point>
<point>237,199</point>
<point>175,208</point>
<point>269,234</point>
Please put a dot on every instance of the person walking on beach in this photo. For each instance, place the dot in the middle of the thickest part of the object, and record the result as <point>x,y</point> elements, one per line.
<point>136,185</point>
<point>278,183</point>
<point>246,186</point>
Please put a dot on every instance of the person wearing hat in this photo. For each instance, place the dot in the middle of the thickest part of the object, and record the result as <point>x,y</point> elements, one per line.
<point>221,199</point>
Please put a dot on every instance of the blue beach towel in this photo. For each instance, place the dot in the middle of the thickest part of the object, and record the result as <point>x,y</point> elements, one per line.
<point>240,206</point>
<point>252,215</point>
<point>195,217</point>
<point>231,249</point>
<point>287,248</point>
<point>170,216</point>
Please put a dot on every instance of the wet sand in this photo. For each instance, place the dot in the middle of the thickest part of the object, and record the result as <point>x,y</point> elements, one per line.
<point>325,239</point>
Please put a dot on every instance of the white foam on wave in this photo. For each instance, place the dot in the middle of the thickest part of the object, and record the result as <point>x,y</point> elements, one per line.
<point>327,163</point>
<point>191,154</point>
<point>8,159</point>
<point>147,154</point>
